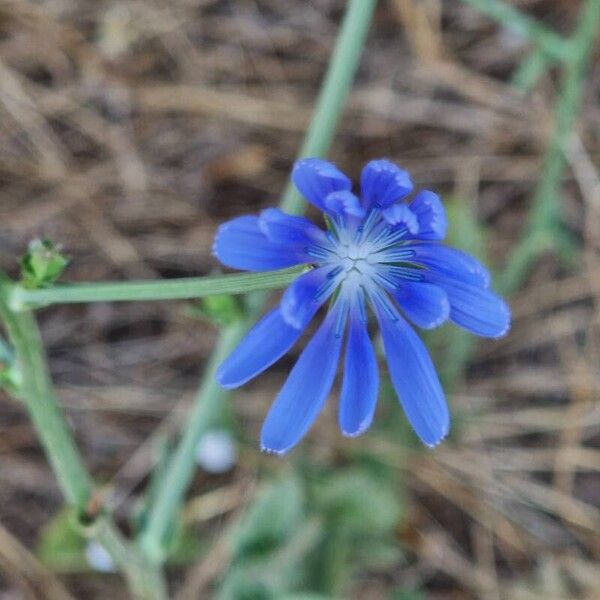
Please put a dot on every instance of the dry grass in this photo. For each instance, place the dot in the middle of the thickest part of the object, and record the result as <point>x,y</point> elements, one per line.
<point>129,130</point>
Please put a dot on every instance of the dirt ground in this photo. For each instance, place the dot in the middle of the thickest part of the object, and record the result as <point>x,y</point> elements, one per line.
<point>130,130</point>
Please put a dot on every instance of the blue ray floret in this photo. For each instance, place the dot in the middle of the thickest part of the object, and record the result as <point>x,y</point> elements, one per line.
<point>380,252</point>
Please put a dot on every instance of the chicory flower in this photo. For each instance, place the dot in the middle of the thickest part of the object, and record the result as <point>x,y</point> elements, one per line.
<point>380,253</point>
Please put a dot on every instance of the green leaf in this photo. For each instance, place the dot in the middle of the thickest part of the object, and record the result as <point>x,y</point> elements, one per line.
<point>272,518</point>
<point>221,310</point>
<point>366,504</point>
<point>61,545</point>
<point>42,265</point>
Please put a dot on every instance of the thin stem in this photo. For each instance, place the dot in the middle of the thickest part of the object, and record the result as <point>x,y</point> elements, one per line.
<point>543,231</point>
<point>512,18</point>
<point>145,581</point>
<point>207,406</point>
<point>169,289</point>
<point>37,393</point>
<point>334,90</point>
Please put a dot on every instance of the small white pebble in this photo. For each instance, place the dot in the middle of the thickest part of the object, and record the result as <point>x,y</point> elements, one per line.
<point>216,451</point>
<point>98,558</point>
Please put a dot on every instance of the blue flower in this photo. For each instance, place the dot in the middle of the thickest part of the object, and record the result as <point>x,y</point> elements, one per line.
<point>379,252</point>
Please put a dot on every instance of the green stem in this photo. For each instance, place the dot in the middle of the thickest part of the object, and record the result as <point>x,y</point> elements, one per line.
<point>544,231</point>
<point>335,88</point>
<point>169,289</point>
<point>207,405</point>
<point>145,581</point>
<point>553,45</point>
<point>37,393</point>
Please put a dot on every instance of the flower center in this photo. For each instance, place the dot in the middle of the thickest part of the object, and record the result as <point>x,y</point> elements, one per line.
<point>353,261</point>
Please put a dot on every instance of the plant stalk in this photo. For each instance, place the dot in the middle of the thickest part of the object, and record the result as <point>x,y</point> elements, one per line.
<point>36,391</point>
<point>551,43</point>
<point>170,289</point>
<point>544,228</point>
<point>334,90</point>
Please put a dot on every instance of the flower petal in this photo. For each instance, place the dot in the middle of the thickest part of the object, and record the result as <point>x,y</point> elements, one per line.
<point>304,393</point>
<point>282,228</point>
<point>414,377</point>
<point>431,216</point>
<point>478,310</point>
<point>262,346</point>
<point>316,179</point>
<point>426,305</point>
<point>360,386</point>
<point>451,262</point>
<point>399,215</point>
<point>240,244</point>
<point>305,295</point>
<point>344,204</point>
<point>382,183</point>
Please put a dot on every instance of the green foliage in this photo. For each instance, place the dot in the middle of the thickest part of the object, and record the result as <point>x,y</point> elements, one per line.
<point>365,504</point>
<point>407,595</point>
<point>61,545</point>
<point>43,264</point>
<point>268,544</point>
<point>10,376</point>
<point>222,310</point>
<point>273,518</point>
<point>313,533</point>
<point>360,511</point>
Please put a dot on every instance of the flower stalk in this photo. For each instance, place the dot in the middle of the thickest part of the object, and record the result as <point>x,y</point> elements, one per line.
<point>36,391</point>
<point>23,299</point>
<point>334,90</point>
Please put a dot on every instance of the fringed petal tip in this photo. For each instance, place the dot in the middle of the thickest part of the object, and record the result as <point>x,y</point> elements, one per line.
<point>273,451</point>
<point>400,215</point>
<point>436,443</point>
<point>431,214</point>
<point>344,203</point>
<point>362,428</point>
<point>221,377</point>
<point>505,311</point>
<point>315,179</point>
<point>383,183</point>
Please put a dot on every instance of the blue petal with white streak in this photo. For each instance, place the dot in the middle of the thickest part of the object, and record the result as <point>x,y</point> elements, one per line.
<point>281,228</point>
<point>383,247</point>
<point>305,295</point>
<point>360,386</point>
<point>344,204</point>
<point>426,305</point>
<point>382,183</point>
<point>399,215</point>
<point>315,179</point>
<point>304,393</point>
<point>262,346</point>
<point>451,263</point>
<point>473,308</point>
<point>431,215</point>
<point>240,244</point>
<point>414,378</point>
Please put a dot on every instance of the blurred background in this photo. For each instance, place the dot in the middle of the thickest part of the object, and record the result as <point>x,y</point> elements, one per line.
<point>129,130</point>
